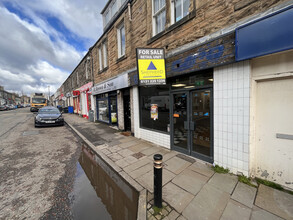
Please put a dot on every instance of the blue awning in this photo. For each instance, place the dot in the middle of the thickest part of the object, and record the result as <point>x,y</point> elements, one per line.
<point>271,34</point>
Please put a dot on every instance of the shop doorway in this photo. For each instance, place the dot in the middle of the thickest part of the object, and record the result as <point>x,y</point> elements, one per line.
<point>127,110</point>
<point>192,123</point>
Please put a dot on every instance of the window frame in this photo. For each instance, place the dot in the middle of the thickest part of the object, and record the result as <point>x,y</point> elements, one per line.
<point>168,91</point>
<point>173,11</point>
<point>109,10</point>
<point>121,52</point>
<point>155,15</point>
<point>100,58</point>
<point>105,54</point>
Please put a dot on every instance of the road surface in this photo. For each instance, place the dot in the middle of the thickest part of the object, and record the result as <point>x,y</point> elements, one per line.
<point>37,167</point>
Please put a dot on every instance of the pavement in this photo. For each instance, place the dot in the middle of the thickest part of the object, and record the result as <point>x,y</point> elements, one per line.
<point>191,189</point>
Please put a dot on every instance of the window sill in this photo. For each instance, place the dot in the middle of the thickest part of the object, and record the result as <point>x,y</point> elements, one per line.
<point>121,58</point>
<point>187,18</point>
<point>103,70</point>
<point>154,130</point>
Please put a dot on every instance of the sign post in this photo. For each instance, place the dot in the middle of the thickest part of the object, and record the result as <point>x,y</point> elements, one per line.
<point>151,66</point>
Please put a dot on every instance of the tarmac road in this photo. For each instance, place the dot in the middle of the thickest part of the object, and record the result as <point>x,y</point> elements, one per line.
<point>37,167</point>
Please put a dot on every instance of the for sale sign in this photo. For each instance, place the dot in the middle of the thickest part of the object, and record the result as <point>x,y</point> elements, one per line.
<point>151,66</point>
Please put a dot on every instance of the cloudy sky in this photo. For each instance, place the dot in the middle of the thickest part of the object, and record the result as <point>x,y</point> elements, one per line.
<point>42,41</point>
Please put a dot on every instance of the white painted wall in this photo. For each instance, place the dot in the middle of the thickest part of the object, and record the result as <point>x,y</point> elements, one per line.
<point>145,134</point>
<point>231,116</point>
<point>271,113</point>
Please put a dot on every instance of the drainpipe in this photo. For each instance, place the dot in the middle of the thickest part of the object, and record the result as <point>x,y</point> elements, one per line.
<point>129,11</point>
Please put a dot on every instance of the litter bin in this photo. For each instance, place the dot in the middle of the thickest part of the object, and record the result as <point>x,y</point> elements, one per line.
<point>70,109</point>
<point>65,110</point>
<point>91,115</point>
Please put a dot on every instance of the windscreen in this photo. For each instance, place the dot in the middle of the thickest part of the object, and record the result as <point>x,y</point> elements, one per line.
<point>49,111</point>
<point>38,100</point>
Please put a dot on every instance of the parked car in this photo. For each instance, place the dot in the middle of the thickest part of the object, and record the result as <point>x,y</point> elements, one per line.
<point>3,107</point>
<point>48,116</point>
<point>11,107</point>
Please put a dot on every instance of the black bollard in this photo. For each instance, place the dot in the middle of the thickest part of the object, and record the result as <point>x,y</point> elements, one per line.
<point>158,180</point>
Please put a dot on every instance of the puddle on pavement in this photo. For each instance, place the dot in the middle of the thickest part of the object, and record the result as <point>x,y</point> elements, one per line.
<point>99,192</point>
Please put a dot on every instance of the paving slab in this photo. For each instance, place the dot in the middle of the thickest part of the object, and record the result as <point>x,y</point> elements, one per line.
<point>176,196</point>
<point>151,151</point>
<point>176,165</point>
<point>190,181</point>
<point>128,143</point>
<point>275,201</point>
<point>114,149</point>
<point>126,139</point>
<point>137,165</point>
<point>141,171</point>
<point>202,168</point>
<point>172,215</point>
<point>235,210</point>
<point>169,155</point>
<point>122,163</point>
<point>209,203</point>
<point>139,147</point>
<point>115,156</point>
<point>130,159</point>
<point>147,180</point>
<point>260,214</point>
<point>224,182</point>
<point>125,152</point>
<point>181,218</point>
<point>244,194</point>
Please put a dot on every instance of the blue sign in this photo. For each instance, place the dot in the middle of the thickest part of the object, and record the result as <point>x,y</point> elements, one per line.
<point>217,52</point>
<point>270,34</point>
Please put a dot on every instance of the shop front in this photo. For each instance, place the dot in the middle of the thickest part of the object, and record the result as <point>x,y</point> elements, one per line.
<point>180,115</point>
<point>109,97</point>
<point>85,99</point>
<point>76,101</point>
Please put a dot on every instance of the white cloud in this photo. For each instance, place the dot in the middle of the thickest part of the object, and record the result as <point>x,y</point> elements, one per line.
<point>34,54</point>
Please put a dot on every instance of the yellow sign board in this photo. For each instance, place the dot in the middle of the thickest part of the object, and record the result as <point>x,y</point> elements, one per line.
<point>151,66</point>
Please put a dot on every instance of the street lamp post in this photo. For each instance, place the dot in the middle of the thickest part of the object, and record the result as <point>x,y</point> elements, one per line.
<point>49,93</point>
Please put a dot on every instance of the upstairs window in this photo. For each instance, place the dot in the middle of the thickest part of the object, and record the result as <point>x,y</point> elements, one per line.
<point>181,9</point>
<point>100,59</point>
<point>107,16</point>
<point>105,55</point>
<point>114,7</point>
<point>121,40</point>
<point>159,16</point>
<point>111,10</point>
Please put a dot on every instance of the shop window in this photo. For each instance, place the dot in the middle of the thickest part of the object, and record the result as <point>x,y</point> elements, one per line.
<point>121,40</point>
<point>103,110</point>
<point>159,16</point>
<point>193,81</point>
<point>154,107</point>
<point>89,101</point>
<point>113,106</point>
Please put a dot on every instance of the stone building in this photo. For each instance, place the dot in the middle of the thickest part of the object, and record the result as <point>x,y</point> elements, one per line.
<point>76,88</point>
<point>222,60</point>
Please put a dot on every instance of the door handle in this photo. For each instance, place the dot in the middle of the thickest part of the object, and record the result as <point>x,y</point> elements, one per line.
<point>186,127</point>
<point>191,126</point>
